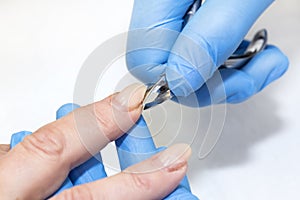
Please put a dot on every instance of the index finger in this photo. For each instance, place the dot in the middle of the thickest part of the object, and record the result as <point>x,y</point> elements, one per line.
<point>43,159</point>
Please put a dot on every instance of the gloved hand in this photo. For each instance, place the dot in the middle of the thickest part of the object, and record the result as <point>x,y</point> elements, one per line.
<point>190,56</point>
<point>137,145</point>
<point>137,142</point>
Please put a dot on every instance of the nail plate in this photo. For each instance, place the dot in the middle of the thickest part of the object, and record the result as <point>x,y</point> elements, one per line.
<point>175,155</point>
<point>130,97</point>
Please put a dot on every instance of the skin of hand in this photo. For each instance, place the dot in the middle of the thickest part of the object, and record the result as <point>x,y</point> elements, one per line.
<point>190,56</point>
<point>135,146</point>
<point>42,161</point>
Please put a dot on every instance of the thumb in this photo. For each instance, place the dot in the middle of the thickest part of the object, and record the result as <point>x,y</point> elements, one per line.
<point>154,178</point>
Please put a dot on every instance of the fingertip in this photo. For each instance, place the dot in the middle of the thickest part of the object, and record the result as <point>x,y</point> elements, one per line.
<point>181,82</point>
<point>260,71</point>
<point>130,98</point>
<point>170,163</point>
<point>227,85</point>
<point>237,93</point>
<point>137,182</point>
<point>183,185</point>
<point>281,65</point>
<point>244,89</point>
<point>171,160</point>
<point>266,66</point>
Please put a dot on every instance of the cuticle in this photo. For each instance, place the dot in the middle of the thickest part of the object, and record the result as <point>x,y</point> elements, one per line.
<point>177,166</point>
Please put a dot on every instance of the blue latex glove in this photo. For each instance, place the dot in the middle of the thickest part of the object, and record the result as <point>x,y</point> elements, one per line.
<point>190,56</point>
<point>132,148</point>
<point>136,146</point>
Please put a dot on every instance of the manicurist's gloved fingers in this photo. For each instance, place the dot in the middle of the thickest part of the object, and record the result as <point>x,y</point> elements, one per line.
<point>137,145</point>
<point>266,67</point>
<point>43,159</point>
<point>237,85</point>
<point>208,40</point>
<point>159,13</point>
<point>205,43</point>
<point>181,192</point>
<point>154,28</point>
<point>90,170</point>
<point>153,178</point>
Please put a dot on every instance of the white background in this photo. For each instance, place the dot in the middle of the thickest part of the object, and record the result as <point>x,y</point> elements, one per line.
<point>44,43</point>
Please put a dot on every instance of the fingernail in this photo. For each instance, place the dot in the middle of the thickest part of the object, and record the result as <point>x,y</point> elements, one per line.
<point>129,98</point>
<point>174,157</point>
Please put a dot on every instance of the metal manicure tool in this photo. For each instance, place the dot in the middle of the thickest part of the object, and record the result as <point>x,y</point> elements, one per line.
<point>257,44</point>
<point>159,92</point>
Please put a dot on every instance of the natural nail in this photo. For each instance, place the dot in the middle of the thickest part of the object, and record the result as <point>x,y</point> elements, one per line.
<point>129,98</point>
<point>175,156</point>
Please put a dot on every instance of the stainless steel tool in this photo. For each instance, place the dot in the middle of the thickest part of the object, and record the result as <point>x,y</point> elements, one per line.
<point>159,92</point>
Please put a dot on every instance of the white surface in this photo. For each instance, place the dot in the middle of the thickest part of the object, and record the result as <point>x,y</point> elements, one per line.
<point>44,43</point>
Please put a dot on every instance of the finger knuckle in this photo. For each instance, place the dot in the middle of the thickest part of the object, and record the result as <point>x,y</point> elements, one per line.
<point>105,117</point>
<point>47,143</point>
<point>105,124</point>
<point>141,182</point>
